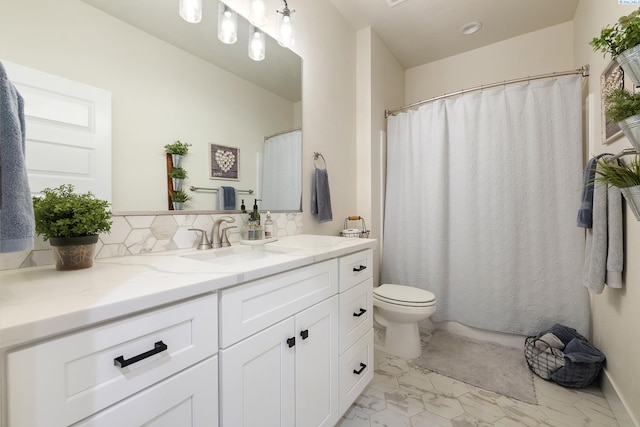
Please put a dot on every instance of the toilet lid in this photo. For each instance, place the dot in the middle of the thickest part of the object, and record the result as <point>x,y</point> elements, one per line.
<point>404,294</point>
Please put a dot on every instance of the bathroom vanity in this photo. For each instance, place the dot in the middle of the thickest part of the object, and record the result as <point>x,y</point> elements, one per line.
<point>270,335</point>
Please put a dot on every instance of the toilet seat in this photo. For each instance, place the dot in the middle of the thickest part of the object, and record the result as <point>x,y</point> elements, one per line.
<point>404,295</point>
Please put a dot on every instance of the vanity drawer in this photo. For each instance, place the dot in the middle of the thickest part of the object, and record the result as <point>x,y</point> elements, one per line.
<point>64,380</point>
<point>356,370</point>
<point>356,313</point>
<point>355,268</point>
<point>249,308</point>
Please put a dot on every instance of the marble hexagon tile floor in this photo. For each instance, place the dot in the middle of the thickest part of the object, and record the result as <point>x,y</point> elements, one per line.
<point>405,395</point>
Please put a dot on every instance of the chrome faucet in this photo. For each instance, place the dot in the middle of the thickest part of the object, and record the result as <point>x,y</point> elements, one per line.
<point>216,236</point>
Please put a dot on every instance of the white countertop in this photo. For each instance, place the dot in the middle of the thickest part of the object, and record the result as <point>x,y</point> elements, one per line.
<point>39,302</point>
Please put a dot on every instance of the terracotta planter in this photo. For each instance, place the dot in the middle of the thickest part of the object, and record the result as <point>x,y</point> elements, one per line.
<point>629,60</point>
<point>74,253</point>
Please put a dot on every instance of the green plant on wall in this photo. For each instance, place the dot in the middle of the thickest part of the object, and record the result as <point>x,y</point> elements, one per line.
<point>621,176</point>
<point>620,104</point>
<point>181,148</point>
<point>178,173</point>
<point>63,213</point>
<point>180,196</point>
<point>623,35</point>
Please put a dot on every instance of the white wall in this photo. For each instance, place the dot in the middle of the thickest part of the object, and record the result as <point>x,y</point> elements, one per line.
<point>160,94</point>
<point>616,312</point>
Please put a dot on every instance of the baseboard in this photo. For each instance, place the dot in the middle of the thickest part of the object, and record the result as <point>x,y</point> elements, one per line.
<point>616,403</point>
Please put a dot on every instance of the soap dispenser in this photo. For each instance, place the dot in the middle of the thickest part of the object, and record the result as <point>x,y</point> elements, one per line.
<point>256,214</point>
<point>243,208</point>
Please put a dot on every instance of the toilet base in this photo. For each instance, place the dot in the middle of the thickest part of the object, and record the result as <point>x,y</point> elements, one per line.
<point>402,340</point>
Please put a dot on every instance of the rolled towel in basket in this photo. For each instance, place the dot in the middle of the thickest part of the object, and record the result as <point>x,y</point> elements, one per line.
<point>550,340</point>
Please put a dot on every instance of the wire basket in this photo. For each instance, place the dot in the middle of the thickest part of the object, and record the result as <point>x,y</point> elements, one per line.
<point>355,232</point>
<point>559,369</point>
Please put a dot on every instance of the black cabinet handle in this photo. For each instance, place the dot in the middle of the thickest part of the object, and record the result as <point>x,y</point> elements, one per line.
<point>157,348</point>
<point>362,368</point>
<point>362,311</point>
<point>291,341</point>
<point>358,269</point>
<point>304,334</point>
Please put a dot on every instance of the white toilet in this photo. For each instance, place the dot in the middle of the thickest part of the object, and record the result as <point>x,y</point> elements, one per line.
<point>399,308</point>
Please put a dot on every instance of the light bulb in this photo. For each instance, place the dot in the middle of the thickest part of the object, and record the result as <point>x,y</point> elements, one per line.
<point>191,10</point>
<point>257,44</point>
<point>227,24</point>
<point>287,32</point>
<point>258,16</point>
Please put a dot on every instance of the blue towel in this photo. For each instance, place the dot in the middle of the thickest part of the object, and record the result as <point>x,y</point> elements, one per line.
<point>585,214</point>
<point>227,198</point>
<point>580,351</point>
<point>320,196</point>
<point>564,333</point>
<point>17,223</point>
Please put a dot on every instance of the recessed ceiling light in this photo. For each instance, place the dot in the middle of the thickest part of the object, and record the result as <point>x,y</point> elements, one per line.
<point>470,28</point>
<point>394,2</point>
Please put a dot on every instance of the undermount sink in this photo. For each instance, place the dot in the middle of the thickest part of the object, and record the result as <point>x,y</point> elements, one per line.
<point>234,255</point>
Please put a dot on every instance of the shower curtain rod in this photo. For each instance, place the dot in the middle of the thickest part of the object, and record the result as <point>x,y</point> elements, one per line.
<point>584,71</point>
<point>282,133</point>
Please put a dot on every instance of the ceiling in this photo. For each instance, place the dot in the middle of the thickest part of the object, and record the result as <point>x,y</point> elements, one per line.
<point>422,31</point>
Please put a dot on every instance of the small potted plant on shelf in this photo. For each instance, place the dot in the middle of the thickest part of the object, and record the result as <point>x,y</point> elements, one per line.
<point>71,222</point>
<point>177,175</point>
<point>177,150</point>
<point>621,42</point>
<point>179,198</point>
<point>623,107</point>
<point>625,176</point>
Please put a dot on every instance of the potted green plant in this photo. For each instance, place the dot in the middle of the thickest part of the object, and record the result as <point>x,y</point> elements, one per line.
<point>623,107</point>
<point>625,176</point>
<point>177,175</point>
<point>177,150</point>
<point>621,42</point>
<point>179,198</point>
<point>71,222</point>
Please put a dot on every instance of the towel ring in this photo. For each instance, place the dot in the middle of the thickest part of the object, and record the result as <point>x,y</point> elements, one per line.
<point>317,155</point>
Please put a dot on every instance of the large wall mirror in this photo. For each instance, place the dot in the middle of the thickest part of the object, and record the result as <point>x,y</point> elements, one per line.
<point>169,80</point>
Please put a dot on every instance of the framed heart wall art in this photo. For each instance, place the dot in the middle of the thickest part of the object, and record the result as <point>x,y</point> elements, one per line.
<point>224,162</point>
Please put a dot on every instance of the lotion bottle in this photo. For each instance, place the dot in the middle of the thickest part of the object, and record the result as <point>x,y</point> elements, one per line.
<point>268,226</point>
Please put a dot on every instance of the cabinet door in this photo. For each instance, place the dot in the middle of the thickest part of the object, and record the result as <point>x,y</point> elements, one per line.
<point>317,381</point>
<point>188,399</point>
<point>257,379</point>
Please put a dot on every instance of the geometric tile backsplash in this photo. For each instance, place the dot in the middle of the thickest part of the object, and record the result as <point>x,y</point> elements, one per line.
<point>139,234</point>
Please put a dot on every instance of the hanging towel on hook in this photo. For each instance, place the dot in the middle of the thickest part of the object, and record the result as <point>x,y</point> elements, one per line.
<point>585,213</point>
<point>321,196</point>
<point>16,206</point>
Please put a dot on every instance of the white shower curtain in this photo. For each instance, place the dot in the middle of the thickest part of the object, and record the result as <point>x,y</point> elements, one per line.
<point>282,172</point>
<point>481,205</point>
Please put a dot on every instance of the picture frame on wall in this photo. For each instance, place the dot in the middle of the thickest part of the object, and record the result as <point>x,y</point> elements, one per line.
<point>224,162</point>
<point>611,78</point>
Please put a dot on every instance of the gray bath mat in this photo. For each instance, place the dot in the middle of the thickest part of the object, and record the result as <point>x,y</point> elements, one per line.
<point>487,365</point>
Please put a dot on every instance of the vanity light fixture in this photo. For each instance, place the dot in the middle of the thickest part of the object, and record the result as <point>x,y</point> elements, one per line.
<point>257,14</point>
<point>227,24</point>
<point>191,10</point>
<point>257,43</point>
<point>286,35</point>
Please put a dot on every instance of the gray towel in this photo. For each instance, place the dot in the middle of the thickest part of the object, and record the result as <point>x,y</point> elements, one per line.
<point>226,198</point>
<point>604,257</point>
<point>320,196</point>
<point>16,206</point>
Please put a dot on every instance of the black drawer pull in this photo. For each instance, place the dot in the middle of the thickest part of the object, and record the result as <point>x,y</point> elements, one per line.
<point>304,334</point>
<point>158,347</point>
<point>362,311</point>
<point>359,269</point>
<point>291,341</point>
<point>362,368</point>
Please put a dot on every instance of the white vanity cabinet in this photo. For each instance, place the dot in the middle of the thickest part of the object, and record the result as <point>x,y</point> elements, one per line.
<point>280,364</point>
<point>157,367</point>
<point>356,326</point>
